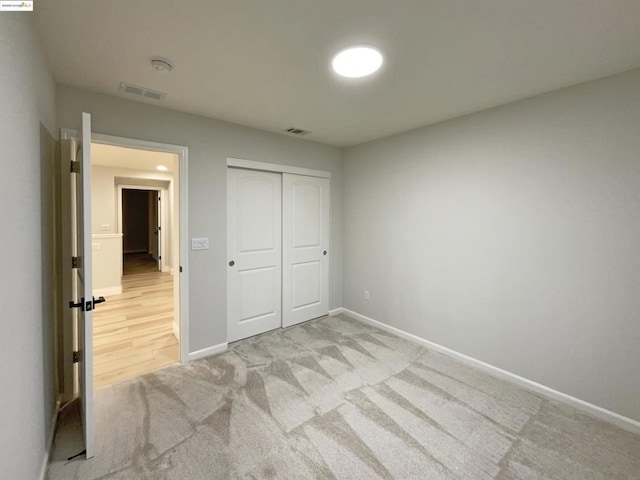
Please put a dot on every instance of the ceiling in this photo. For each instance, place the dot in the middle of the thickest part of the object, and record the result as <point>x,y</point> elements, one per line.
<point>114,156</point>
<point>266,64</point>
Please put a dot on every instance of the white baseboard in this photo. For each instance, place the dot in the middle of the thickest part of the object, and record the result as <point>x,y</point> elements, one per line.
<point>105,292</point>
<point>207,352</point>
<point>167,269</point>
<point>336,311</point>
<point>586,407</point>
<point>49,444</point>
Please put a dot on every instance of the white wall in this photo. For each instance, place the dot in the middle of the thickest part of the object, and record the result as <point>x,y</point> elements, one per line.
<point>512,236</point>
<point>106,265</point>
<point>210,142</point>
<point>27,366</point>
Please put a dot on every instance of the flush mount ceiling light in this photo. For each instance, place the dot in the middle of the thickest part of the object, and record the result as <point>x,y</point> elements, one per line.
<point>160,64</point>
<point>357,61</point>
<point>162,168</point>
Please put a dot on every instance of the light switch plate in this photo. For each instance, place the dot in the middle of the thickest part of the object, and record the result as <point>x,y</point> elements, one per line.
<point>199,244</point>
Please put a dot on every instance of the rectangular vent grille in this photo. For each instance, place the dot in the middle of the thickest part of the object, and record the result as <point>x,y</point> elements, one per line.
<point>142,91</point>
<point>297,131</point>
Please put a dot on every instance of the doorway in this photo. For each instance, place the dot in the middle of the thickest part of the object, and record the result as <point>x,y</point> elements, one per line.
<point>137,330</point>
<point>97,230</point>
<point>141,231</point>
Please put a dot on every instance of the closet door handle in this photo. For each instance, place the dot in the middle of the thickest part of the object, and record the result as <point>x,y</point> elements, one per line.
<point>324,253</point>
<point>232,263</point>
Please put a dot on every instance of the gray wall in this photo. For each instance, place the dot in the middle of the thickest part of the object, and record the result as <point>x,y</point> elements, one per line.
<point>210,142</point>
<point>512,236</point>
<point>27,373</point>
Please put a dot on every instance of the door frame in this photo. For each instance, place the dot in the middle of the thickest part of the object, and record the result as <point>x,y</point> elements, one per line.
<point>275,167</point>
<point>183,243</point>
<point>163,192</point>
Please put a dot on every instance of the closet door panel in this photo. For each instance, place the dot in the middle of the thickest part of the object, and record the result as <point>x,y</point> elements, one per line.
<point>254,251</point>
<point>305,230</point>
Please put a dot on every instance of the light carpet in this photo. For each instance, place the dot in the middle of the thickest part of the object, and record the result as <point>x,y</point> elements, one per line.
<point>336,399</point>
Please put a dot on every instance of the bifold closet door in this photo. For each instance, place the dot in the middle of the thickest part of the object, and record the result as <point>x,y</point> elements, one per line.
<point>254,251</point>
<point>305,253</point>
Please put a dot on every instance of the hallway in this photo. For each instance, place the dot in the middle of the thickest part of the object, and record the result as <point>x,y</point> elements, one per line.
<point>133,332</point>
<point>134,263</point>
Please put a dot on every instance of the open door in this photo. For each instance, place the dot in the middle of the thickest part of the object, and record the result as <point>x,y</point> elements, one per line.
<point>83,302</point>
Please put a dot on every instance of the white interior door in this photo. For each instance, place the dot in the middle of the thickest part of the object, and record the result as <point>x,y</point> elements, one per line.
<point>83,302</point>
<point>254,251</point>
<point>305,237</point>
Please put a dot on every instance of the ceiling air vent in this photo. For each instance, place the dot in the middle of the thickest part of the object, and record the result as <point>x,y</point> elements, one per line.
<point>142,91</point>
<point>297,131</point>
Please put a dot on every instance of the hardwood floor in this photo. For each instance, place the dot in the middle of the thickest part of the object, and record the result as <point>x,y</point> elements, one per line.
<point>134,263</point>
<point>133,332</point>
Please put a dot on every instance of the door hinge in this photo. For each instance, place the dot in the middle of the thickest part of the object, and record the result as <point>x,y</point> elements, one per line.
<point>180,268</point>
<point>76,356</point>
<point>159,257</point>
<point>159,229</point>
<point>75,167</point>
<point>76,262</point>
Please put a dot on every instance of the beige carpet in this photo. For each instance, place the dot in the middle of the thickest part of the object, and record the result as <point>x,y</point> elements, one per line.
<point>337,399</point>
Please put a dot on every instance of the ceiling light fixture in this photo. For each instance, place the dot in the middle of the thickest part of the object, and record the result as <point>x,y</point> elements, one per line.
<point>162,168</point>
<point>160,64</point>
<point>357,61</point>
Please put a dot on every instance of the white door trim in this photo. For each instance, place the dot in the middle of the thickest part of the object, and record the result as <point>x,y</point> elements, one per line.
<point>275,167</point>
<point>183,156</point>
<point>163,219</point>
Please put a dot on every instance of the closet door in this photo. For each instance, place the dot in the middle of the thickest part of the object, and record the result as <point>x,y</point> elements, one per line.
<point>305,232</point>
<point>254,252</point>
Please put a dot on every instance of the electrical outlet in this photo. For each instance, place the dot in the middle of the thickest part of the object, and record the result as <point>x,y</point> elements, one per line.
<point>366,294</point>
<point>199,244</point>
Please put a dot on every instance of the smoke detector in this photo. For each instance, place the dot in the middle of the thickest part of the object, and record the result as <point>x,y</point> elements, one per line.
<point>160,64</point>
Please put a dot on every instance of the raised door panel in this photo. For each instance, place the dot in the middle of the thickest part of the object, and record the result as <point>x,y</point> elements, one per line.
<point>306,215</point>
<point>306,282</point>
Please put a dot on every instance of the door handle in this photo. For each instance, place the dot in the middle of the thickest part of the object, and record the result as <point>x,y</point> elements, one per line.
<point>79,304</point>
<point>324,253</point>
<point>232,263</point>
<point>99,300</point>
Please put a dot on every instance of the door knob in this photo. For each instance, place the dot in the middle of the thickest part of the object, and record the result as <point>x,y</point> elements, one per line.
<point>324,253</point>
<point>232,263</point>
